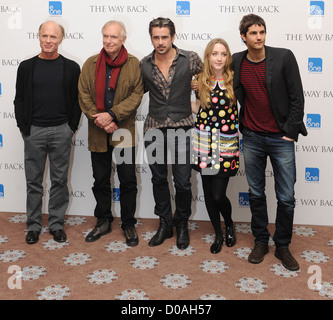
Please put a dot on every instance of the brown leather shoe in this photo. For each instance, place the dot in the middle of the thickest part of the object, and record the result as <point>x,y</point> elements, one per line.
<point>131,236</point>
<point>258,253</point>
<point>288,261</point>
<point>102,228</point>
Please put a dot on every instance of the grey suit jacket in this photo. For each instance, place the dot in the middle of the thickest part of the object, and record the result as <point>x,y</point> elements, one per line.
<point>284,88</point>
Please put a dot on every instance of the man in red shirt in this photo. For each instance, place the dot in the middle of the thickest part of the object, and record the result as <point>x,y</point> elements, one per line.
<point>268,87</point>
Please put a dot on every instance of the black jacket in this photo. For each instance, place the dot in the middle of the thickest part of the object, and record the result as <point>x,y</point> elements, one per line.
<point>24,93</point>
<point>284,88</point>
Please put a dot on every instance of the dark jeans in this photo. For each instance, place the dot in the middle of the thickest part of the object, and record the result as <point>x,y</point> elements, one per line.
<point>282,156</point>
<point>157,143</point>
<point>102,167</point>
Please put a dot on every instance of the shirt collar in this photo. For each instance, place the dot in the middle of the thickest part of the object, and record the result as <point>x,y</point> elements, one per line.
<point>214,82</point>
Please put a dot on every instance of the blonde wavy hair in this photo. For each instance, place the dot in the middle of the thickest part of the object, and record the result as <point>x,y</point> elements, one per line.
<point>204,77</point>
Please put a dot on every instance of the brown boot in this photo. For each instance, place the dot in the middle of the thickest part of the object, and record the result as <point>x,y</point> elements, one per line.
<point>258,253</point>
<point>288,261</point>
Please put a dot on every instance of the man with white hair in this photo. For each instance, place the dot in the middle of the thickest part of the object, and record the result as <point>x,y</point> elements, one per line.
<point>110,91</point>
<point>47,113</point>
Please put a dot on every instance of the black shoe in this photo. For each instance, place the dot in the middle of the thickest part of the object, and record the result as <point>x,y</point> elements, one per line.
<point>216,247</point>
<point>132,239</point>
<point>230,238</point>
<point>258,253</point>
<point>102,228</point>
<point>288,261</point>
<point>59,235</point>
<point>164,232</point>
<point>32,237</point>
<point>183,238</point>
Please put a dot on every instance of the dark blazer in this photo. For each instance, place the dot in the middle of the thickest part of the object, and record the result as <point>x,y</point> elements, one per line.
<point>284,88</point>
<point>24,93</point>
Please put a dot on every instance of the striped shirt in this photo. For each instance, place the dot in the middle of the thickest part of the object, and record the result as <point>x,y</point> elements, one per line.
<point>258,115</point>
<point>164,86</point>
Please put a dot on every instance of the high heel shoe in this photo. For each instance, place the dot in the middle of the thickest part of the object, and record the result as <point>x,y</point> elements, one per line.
<point>230,238</point>
<point>217,245</point>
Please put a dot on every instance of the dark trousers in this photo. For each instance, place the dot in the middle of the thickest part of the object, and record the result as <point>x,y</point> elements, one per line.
<point>54,143</point>
<point>178,143</point>
<point>102,168</point>
<point>257,148</point>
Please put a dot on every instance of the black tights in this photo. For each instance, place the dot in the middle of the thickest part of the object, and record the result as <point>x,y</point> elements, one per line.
<point>216,201</point>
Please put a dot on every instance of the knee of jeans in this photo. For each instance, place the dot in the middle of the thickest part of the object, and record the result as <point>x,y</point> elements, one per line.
<point>287,202</point>
<point>183,188</point>
<point>128,186</point>
<point>256,194</point>
<point>156,181</point>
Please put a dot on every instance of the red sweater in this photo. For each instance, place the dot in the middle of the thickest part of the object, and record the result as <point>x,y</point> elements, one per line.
<point>258,115</point>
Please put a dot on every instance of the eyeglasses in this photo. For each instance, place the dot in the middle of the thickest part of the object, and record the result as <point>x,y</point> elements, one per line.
<point>160,22</point>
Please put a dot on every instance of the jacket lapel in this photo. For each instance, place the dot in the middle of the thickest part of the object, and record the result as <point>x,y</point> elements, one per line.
<point>269,69</point>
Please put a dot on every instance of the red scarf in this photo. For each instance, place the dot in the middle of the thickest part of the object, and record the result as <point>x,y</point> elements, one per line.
<point>100,72</point>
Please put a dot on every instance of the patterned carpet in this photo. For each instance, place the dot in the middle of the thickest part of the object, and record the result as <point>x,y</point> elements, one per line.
<point>110,270</point>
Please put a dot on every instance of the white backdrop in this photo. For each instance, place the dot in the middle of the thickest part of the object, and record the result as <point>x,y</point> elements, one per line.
<point>304,26</point>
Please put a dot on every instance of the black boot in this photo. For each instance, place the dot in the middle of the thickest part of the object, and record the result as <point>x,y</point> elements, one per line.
<point>230,238</point>
<point>164,232</point>
<point>183,238</point>
<point>217,244</point>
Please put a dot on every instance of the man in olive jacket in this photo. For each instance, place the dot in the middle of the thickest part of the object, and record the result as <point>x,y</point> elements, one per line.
<point>110,91</point>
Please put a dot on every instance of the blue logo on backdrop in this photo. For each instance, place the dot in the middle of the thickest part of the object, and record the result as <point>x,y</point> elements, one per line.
<point>243,199</point>
<point>2,191</point>
<point>1,141</point>
<point>315,65</point>
<point>312,174</point>
<point>183,8</point>
<point>55,8</point>
<point>115,194</point>
<point>313,121</point>
<point>0,90</point>
<point>317,8</point>
<point>241,149</point>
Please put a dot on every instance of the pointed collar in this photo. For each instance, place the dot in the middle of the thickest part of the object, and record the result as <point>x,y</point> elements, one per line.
<point>214,82</point>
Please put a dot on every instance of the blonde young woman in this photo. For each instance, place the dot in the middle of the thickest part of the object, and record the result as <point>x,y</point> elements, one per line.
<point>215,152</point>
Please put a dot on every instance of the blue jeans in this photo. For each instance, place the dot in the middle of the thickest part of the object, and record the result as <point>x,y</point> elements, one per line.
<point>157,143</point>
<point>257,148</point>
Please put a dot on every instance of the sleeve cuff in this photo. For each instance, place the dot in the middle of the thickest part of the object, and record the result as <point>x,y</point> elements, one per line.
<point>113,116</point>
